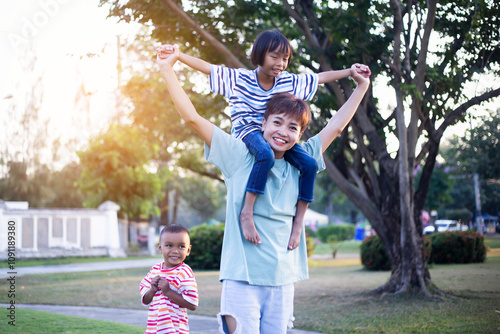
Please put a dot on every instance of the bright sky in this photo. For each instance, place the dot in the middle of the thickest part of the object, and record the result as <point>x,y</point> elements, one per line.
<point>61,33</point>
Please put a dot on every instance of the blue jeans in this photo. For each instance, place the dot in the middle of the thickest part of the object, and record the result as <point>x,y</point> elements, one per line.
<point>264,161</point>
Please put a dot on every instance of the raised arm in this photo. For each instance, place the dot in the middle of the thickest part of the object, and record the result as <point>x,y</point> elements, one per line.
<point>360,74</point>
<point>193,62</point>
<point>329,76</point>
<point>185,107</point>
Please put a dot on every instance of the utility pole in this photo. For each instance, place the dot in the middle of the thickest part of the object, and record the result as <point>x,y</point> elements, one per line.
<point>479,217</point>
<point>118,94</point>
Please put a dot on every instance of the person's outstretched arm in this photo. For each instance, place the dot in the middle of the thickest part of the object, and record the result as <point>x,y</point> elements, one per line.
<point>361,74</point>
<point>185,107</point>
<point>330,76</point>
<point>193,62</point>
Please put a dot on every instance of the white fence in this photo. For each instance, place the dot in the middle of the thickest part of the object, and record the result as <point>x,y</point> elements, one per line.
<point>45,233</point>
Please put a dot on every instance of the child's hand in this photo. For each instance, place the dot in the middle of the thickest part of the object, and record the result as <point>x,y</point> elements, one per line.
<point>154,282</point>
<point>360,73</point>
<point>167,55</point>
<point>164,50</point>
<point>163,285</point>
<point>361,69</point>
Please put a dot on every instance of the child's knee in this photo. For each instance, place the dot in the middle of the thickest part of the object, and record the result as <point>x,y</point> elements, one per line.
<point>310,165</point>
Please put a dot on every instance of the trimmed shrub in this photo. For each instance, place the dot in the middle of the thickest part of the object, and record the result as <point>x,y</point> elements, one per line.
<point>374,256</point>
<point>206,247</point>
<point>457,247</point>
<point>341,232</point>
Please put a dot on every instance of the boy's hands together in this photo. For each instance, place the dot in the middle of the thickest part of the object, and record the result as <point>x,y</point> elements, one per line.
<point>163,285</point>
<point>154,283</point>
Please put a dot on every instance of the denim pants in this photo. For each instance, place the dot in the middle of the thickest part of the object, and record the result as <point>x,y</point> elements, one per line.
<point>257,309</point>
<point>264,161</point>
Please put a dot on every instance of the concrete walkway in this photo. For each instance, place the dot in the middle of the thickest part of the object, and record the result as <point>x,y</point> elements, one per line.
<point>198,324</point>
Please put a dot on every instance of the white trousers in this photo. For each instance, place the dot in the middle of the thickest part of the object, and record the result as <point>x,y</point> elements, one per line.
<point>257,309</point>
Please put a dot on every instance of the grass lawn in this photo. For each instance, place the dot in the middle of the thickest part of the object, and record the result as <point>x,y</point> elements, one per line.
<point>29,321</point>
<point>334,300</point>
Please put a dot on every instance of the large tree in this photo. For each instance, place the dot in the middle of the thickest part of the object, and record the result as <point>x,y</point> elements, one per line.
<point>429,51</point>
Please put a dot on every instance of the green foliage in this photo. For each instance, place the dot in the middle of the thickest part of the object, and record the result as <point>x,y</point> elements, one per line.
<point>206,241</point>
<point>374,255</point>
<point>118,166</point>
<point>341,232</point>
<point>310,232</point>
<point>457,247</point>
<point>43,187</point>
<point>462,215</point>
<point>476,152</point>
<point>438,195</point>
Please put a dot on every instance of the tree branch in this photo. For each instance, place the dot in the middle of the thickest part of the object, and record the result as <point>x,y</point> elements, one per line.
<point>231,60</point>
<point>451,118</point>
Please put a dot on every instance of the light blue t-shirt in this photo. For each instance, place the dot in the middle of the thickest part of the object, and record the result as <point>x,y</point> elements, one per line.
<point>270,263</point>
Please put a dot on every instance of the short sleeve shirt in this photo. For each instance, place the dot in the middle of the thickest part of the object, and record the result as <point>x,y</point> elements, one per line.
<point>165,316</point>
<point>270,263</point>
<point>248,100</point>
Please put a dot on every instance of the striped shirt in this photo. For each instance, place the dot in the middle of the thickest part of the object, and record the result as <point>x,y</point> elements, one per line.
<point>163,315</point>
<point>248,100</point>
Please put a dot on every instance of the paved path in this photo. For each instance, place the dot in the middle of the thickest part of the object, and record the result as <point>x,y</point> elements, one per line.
<point>198,324</point>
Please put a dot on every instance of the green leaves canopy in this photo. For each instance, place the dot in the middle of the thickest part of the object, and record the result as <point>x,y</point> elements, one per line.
<point>118,165</point>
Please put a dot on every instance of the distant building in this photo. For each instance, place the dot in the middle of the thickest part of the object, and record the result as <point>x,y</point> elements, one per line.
<point>48,232</point>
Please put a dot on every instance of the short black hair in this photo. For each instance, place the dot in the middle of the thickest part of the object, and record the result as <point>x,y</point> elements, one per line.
<point>174,228</point>
<point>270,40</point>
<point>286,103</point>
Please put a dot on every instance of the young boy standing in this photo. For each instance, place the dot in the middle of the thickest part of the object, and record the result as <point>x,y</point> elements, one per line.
<point>257,282</point>
<point>170,287</point>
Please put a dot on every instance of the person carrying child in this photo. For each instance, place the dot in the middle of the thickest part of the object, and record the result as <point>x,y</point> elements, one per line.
<point>258,282</point>
<point>248,92</point>
<point>170,287</point>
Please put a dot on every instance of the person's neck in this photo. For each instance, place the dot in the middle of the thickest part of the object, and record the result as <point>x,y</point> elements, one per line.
<point>265,81</point>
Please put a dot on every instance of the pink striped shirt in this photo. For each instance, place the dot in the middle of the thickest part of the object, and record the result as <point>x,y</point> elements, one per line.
<point>165,316</point>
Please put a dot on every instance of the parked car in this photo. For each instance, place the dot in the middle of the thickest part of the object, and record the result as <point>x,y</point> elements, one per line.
<point>443,225</point>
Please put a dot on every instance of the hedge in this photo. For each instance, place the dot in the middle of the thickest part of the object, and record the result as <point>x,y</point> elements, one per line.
<point>457,247</point>
<point>206,241</point>
<point>342,232</point>
<point>446,247</point>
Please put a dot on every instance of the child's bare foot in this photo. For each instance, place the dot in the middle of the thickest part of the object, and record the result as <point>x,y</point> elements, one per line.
<point>295,237</point>
<point>248,227</point>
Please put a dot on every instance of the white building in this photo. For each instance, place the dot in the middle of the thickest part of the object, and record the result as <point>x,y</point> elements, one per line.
<point>46,233</point>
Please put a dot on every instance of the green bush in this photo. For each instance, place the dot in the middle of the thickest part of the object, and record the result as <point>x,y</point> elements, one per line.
<point>310,232</point>
<point>206,247</point>
<point>457,247</point>
<point>374,255</point>
<point>342,232</point>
